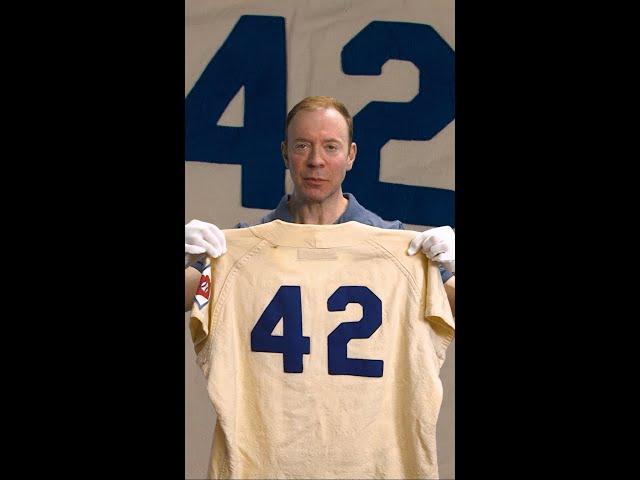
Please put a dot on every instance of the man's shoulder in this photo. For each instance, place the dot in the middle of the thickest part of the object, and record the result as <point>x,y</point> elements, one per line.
<point>358,213</point>
<point>279,213</point>
<point>269,217</point>
<point>386,224</point>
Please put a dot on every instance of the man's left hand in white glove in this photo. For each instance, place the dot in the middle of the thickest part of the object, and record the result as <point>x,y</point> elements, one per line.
<point>438,244</point>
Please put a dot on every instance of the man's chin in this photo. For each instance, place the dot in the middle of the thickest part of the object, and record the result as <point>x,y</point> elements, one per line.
<point>313,195</point>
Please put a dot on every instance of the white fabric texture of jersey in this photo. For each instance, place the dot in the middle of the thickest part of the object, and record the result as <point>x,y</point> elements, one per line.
<point>321,346</point>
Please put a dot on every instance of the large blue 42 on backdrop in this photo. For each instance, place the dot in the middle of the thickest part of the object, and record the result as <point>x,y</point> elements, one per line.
<point>254,56</point>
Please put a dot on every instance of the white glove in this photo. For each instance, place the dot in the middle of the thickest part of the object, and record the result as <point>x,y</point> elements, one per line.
<point>438,244</point>
<point>200,238</point>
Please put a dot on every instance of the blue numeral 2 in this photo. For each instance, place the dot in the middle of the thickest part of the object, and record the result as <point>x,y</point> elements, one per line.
<point>339,363</point>
<point>287,305</point>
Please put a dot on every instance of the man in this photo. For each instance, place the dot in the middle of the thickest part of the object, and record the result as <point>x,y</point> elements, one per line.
<point>318,150</point>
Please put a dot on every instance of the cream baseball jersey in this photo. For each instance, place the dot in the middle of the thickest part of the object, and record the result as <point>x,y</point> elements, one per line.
<point>322,346</point>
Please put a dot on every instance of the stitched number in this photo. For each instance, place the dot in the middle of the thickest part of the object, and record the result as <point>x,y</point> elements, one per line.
<point>339,363</point>
<point>286,305</point>
<point>254,57</point>
<point>427,114</point>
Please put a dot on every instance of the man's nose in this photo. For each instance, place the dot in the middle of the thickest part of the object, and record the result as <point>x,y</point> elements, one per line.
<point>315,158</point>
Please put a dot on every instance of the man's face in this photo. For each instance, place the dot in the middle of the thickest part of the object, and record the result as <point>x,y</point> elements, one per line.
<point>318,154</point>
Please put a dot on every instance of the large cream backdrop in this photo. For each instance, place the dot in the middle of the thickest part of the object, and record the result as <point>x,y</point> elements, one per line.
<point>316,32</point>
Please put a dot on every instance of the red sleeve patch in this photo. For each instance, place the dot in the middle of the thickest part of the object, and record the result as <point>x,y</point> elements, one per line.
<point>205,286</point>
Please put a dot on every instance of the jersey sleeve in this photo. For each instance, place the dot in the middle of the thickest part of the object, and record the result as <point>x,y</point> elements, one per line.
<point>200,311</point>
<point>438,311</point>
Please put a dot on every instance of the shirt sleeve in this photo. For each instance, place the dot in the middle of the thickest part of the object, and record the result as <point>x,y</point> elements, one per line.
<point>200,312</point>
<point>438,311</point>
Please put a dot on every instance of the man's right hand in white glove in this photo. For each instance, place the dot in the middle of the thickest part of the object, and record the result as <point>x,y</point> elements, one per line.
<point>202,238</point>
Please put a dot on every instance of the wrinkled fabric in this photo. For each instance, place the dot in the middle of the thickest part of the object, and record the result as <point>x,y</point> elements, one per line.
<point>312,423</point>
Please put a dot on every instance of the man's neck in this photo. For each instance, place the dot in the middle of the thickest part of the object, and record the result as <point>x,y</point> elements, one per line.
<point>324,213</point>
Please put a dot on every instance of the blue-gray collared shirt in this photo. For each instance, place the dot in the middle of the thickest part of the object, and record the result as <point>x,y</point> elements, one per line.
<point>354,212</point>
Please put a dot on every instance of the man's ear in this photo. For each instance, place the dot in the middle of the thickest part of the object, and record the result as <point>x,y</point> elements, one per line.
<point>352,156</point>
<point>283,150</point>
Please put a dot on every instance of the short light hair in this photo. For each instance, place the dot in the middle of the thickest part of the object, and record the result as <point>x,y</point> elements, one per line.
<point>317,103</point>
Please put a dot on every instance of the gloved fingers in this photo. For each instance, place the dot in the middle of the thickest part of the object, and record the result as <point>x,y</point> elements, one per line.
<point>213,249</point>
<point>216,241</point>
<point>416,243</point>
<point>444,231</point>
<point>434,250</point>
<point>197,228</point>
<point>220,236</point>
<point>430,240</point>
<point>433,241</point>
<point>195,239</point>
<point>194,249</point>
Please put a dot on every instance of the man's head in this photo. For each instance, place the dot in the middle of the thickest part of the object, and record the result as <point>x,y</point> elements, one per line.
<point>318,149</point>
<point>318,103</point>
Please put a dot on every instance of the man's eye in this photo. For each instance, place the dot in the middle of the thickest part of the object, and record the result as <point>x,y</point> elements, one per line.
<point>300,146</point>
<point>332,147</point>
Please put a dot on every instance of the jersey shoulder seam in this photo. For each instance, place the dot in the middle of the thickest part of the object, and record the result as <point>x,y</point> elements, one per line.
<point>224,293</point>
<point>387,253</point>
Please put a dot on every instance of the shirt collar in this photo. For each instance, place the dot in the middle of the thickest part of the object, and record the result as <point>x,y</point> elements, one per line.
<point>281,212</point>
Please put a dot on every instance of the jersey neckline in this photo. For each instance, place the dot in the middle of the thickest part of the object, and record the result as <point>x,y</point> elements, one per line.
<point>288,234</point>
